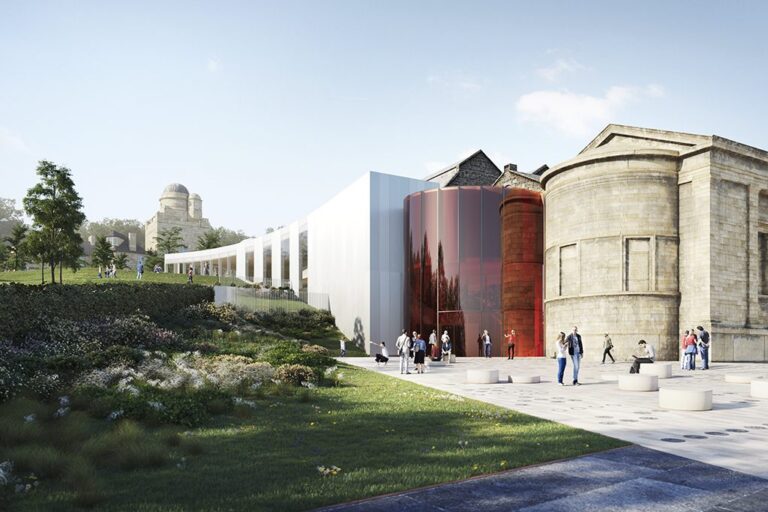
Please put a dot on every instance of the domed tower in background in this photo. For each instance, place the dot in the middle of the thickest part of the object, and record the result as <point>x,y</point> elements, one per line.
<point>178,208</point>
<point>195,206</point>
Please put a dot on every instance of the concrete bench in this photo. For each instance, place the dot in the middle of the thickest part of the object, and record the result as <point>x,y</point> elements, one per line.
<point>482,376</point>
<point>609,377</point>
<point>741,378</point>
<point>661,370</point>
<point>524,379</point>
<point>758,388</point>
<point>638,382</point>
<point>685,399</point>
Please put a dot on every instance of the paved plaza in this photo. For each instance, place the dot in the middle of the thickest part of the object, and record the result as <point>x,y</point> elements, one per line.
<point>733,435</point>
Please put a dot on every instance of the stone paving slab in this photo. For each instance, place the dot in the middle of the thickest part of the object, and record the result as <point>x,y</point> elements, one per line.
<point>630,479</point>
<point>733,435</point>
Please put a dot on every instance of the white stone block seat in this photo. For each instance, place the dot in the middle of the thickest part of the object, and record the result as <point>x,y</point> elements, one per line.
<point>683,399</point>
<point>638,382</point>
<point>759,388</point>
<point>524,379</point>
<point>482,376</point>
<point>661,370</point>
<point>742,378</point>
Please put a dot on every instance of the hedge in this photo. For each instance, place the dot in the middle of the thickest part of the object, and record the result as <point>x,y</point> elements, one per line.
<point>22,306</point>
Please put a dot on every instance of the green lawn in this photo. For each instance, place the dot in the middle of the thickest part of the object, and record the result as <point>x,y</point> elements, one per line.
<point>385,434</point>
<point>89,275</point>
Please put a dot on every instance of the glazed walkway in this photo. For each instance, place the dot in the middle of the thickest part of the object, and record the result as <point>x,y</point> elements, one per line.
<point>623,480</point>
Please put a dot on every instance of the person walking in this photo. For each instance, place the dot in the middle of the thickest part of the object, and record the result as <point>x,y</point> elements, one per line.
<point>487,343</point>
<point>190,273</point>
<point>99,271</point>
<point>342,347</point>
<point>607,347</point>
<point>446,342</point>
<point>576,351</point>
<point>645,354</point>
<point>420,349</point>
<point>511,338</point>
<point>704,347</point>
<point>140,269</point>
<point>383,355</point>
<point>403,345</point>
<point>561,349</point>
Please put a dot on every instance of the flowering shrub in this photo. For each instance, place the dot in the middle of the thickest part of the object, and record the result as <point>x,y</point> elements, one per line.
<point>315,349</point>
<point>295,374</point>
<point>209,311</point>
<point>286,352</point>
<point>305,323</point>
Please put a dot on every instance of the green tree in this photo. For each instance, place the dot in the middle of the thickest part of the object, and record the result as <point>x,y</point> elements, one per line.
<point>9,216</point>
<point>3,256</point>
<point>102,252</point>
<point>151,259</point>
<point>36,248</point>
<point>169,241</point>
<point>17,246</point>
<point>121,261</point>
<point>56,211</point>
<point>209,240</point>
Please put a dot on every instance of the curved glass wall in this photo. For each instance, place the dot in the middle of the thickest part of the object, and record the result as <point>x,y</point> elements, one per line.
<point>453,272</point>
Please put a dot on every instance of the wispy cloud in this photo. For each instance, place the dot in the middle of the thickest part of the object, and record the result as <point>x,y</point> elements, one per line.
<point>213,65</point>
<point>13,142</point>
<point>553,72</point>
<point>458,81</point>
<point>579,114</point>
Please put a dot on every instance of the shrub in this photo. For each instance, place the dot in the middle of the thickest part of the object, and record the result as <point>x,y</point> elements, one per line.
<point>315,349</point>
<point>305,323</point>
<point>295,374</point>
<point>22,307</point>
<point>289,353</point>
<point>225,313</point>
<point>41,460</point>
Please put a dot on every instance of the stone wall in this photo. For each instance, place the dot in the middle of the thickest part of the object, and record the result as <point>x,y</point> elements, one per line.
<point>611,250</point>
<point>477,170</point>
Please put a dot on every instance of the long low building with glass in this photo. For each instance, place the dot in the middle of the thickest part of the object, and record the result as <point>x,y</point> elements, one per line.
<point>645,233</point>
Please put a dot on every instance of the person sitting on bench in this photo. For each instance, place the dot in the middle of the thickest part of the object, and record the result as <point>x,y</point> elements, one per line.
<point>645,354</point>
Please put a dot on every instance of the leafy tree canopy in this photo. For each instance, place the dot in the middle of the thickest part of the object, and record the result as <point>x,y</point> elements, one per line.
<point>169,240</point>
<point>15,243</point>
<point>102,252</point>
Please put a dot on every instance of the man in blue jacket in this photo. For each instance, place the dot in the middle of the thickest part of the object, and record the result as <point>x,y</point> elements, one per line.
<point>576,351</point>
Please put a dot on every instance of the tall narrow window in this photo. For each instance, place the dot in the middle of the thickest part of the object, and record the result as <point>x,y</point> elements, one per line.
<point>303,259</point>
<point>637,265</point>
<point>285,260</point>
<point>763,242</point>
<point>267,265</point>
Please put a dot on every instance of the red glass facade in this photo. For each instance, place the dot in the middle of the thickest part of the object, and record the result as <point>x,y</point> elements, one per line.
<point>455,265</point>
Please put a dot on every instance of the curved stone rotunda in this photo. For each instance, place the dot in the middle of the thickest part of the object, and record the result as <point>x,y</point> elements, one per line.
<point>650,232</point>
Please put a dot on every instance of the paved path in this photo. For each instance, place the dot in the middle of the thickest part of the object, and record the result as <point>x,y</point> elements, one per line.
<point>623,480</point>
<point>733,435</point>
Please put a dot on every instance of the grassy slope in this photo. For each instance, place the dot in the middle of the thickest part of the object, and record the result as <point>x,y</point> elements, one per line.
<point>386,435</point>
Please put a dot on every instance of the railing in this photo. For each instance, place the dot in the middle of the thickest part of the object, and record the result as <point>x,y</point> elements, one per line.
<point>253,299</point>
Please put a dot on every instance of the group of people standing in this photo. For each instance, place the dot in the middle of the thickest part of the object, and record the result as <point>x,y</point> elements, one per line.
<point>412,347</point>
<point>110,271</point>
<point>695,342</point>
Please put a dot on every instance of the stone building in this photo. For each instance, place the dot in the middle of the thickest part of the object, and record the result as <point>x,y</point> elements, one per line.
<point>650,232</point>
<point>476,169</point>
<point>178,208</point>
<point>513,178</point>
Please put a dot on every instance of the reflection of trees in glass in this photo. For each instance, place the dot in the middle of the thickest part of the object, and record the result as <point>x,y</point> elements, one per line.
<point>303,259</point>
<point>449,288</point>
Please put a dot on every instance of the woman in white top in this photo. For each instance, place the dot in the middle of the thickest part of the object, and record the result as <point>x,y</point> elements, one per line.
<point>561,347</point>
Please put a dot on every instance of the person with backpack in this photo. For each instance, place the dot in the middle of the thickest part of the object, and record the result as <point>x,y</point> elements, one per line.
<point>704,347</point>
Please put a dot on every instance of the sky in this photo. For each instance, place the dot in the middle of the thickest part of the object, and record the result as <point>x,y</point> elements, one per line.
<point>268,109</point>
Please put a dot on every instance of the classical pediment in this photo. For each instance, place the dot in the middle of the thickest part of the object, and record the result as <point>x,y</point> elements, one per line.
<point>617,137</point>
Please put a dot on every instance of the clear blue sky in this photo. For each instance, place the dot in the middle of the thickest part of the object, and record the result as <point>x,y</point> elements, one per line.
<point>275,106</point>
